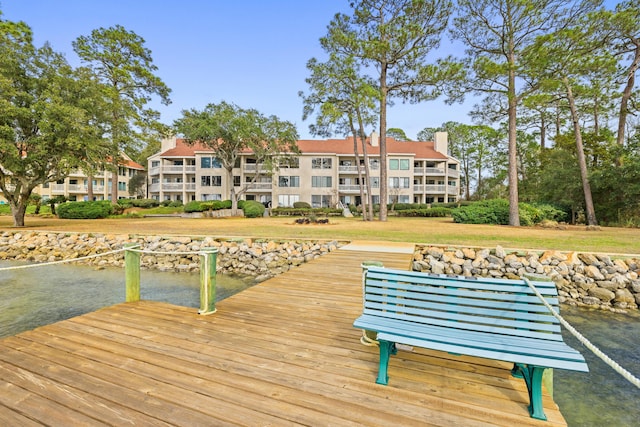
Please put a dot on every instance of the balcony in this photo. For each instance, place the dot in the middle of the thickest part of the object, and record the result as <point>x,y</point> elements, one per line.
<point>77,188</point>
<point>434,171</point>
<point>254,168</point>
<point>435,189</point>
<point>454,173</point>
<point>180,169</point>
<point>344,188</point>
<point>259,186</point>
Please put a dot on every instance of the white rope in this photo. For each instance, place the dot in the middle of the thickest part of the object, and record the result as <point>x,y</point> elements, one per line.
<point>606,359</point>
<point>20,267</point>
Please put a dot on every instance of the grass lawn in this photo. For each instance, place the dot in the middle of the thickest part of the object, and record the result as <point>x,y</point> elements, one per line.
<point>441,231</point>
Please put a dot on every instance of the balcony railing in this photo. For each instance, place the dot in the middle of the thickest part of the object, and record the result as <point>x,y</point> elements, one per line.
<point>454,173</point>
<point>347,188</point>
<point>434,171</point>
<point>434,189</point>
<point>260,186</point>
<point>254,168</point>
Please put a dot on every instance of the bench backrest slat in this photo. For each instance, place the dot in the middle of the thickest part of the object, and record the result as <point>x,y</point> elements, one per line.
<point>506,307</point>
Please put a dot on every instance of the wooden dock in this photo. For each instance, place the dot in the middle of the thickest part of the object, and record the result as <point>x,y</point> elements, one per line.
<point>281,353</point>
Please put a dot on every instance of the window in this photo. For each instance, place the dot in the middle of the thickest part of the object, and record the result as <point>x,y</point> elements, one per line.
<point>155,180</point>
<point>178,163</point>
<point>205,181</point>
<point>452,183</point>
<point>399,164</point>
<point>289,181</point>
<point>155,163</point>
<point>122,186</point>
<point>208,181</point>
<point>236,180</point>
<point>375,182</point>
<point>320,201</point>
<point>287,200</point>
<point>216,181</point>
<point>206,197</point>
<point>215,162</point>
<point>398,182</point>
<point>321,163</point>
<point>205,162</point>
<point>429,199</point>
<point>292,162</point>
<point>321,181</point>
<point>374,163</point>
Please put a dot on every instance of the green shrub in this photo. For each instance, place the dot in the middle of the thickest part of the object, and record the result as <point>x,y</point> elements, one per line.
<point>193,206</point>
<point>85,210</point>
<point>301,205</point>
<point>145,203</point>
<point>125,203</point>
<point>253,209</point>
<point>427,213</point>
<point>497,212</point>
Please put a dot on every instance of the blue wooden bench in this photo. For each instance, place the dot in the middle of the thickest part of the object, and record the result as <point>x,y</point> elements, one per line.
<point>491,318</point>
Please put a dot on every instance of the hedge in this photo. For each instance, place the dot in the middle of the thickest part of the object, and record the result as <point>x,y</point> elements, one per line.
<point>496,211</point>
<point>427,213</point>
<point>85,210</point>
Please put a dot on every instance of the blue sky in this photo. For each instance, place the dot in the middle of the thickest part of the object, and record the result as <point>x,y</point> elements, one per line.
<point>249,52</point>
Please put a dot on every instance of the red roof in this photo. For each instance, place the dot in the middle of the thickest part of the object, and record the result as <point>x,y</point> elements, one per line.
<point>422,150</point>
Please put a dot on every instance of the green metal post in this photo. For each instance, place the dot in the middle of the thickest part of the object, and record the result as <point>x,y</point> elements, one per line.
<point>208,280</point>
<point>132,273</point>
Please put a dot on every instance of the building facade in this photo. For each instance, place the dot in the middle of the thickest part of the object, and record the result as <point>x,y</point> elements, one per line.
<point>323,174</point>
<point>75,187</point>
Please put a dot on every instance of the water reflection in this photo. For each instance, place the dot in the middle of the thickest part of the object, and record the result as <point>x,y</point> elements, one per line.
<point>38,296</point>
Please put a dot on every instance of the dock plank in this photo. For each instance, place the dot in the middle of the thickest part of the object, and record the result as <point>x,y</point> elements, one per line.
<point>283,352</point>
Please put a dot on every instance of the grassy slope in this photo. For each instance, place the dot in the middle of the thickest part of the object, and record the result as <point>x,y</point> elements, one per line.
<point>417,230</point>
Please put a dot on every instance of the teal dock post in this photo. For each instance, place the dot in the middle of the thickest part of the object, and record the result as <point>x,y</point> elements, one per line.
<point>132,273</point>
<point>208,258</point>
<point>368,337</point>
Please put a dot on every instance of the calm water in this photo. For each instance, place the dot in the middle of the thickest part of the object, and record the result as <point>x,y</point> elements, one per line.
<point>38,296</point>
<point>601,397</point>
<point>33,297</point>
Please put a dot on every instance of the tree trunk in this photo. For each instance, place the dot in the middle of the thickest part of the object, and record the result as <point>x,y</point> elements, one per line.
<point>232,192</point>
<point>514,214</point>
<point>19,208</point>
<point>383,144</point>
<point>591,214</point>
<point>114,183</point>
<point>90,187</point>
<point>627,92</point>
<point>367,170</point>
<point>360,180</point>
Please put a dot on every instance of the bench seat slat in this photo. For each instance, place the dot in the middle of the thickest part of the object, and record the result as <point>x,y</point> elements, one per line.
<point>490,299</point>
<point>502,329</point>
<point>478,339</point>
<point>461,306</point>
<point>418,277</point>
<point>513,286</point>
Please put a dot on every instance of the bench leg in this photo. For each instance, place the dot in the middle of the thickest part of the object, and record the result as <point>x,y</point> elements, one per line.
<point>387,348</point>
<point>533,378</point>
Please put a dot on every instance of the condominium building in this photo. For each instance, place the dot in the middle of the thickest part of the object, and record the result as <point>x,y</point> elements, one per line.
<point>75,187</point>
<point>323,174</point>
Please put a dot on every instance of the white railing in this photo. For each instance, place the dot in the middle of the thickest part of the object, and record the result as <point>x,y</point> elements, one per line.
<point>173,186</point>
<point>154,171</point>
<point>430,188</point>
<point>454,173</point>
<point>350,188</point>
<point>254,168</point>
<point>179,169</point>
<point>260,186</point>
<point>434,171</point>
